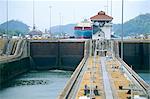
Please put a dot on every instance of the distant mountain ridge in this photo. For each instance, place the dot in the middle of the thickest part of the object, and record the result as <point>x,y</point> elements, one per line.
<point>69,29</point>
<point>136,26</point>
<point>15,27</point>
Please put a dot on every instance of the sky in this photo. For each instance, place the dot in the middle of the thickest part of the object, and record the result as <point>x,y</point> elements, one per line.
<point>68,11</point>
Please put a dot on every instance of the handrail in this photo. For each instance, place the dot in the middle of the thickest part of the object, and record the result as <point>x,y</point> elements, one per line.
<point>67,89</point>
<point>142,83</point>
<point>70,83</point>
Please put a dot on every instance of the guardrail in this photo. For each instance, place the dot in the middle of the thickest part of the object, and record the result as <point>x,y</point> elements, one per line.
<point>67,89</point>
<point>145,87</point>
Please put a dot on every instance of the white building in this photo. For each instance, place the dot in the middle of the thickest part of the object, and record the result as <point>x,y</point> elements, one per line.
<point>101,26</point>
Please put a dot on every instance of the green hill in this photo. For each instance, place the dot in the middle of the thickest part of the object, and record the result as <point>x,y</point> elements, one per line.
<point>14,28</point>
<point>135,26</point>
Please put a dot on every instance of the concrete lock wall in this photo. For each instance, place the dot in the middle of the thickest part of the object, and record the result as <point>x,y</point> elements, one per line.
<point>56,55</point>
<point>41,55</point>
<point>11,69</point>
<point>13,65</point>
<point>136,54</point>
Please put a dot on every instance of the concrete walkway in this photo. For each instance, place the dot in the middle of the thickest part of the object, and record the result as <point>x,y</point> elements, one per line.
<point>106,82</point>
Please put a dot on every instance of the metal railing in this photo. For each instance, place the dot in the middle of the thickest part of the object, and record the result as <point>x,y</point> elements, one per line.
<point>143,85</point>
<point>67,89</point>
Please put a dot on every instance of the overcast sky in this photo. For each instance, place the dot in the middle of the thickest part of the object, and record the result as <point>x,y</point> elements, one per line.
<point>71,11</point>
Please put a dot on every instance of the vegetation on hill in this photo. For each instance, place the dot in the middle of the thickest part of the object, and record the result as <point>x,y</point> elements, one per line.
<point>14,28</point>
<point>136,26</point>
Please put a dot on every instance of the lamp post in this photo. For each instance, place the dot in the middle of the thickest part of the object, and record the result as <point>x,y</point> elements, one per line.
<point>111,42</point>
<point>7,19</point>
<point>111,8</point>
<point>50,19</point>
<point>33,15</point>
<point>74,15</point>
<point>60,22</point>
<point>106,9</point>
<point>107,6</point>
<point>122,31</point>
<point>62,19</point>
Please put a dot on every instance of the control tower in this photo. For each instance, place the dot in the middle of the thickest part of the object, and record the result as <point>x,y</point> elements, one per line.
<point>101,26</point>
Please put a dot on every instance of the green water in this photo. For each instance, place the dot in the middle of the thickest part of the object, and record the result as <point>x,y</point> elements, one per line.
<point>36,85</point>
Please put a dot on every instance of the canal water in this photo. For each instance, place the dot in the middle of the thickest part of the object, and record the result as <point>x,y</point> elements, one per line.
<point>36,85</point>
<point>145,76</point>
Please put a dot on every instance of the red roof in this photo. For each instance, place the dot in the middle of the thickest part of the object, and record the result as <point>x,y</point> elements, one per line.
<point>101,16</point>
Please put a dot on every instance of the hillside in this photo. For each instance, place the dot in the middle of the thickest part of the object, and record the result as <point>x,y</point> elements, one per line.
<point>69,29</point>
<point>14,27</point>
<point>135,26</point>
